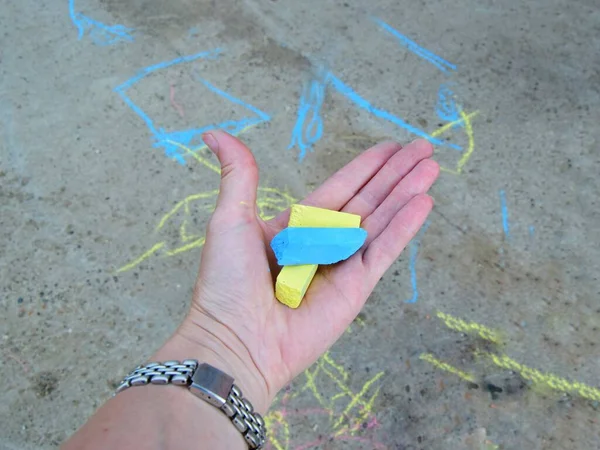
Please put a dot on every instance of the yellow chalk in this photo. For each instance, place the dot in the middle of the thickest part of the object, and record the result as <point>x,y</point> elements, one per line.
<point>311,217</point>
<point>293,281</point>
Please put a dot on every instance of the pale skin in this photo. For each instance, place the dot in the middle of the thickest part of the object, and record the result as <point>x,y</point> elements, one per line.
<point>236,324</point>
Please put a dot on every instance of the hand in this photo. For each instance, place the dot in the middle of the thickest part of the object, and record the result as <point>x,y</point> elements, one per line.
<point>235,317</point>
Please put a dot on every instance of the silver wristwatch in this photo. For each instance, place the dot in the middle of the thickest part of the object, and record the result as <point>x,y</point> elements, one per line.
<point>212,386</point>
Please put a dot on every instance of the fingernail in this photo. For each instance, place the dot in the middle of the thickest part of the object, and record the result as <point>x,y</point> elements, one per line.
<point>211,142</point>
<point>426,141</point>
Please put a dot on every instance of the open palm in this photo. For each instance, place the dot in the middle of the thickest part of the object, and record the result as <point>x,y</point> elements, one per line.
<point>386,185</point>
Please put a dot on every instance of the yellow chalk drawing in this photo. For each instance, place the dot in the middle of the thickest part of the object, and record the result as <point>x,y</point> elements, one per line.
<point>539,379</point>
<point>270,201</point>
<point>147,254</point>
<point>185,203</point>
<point>338,376</point>
<point>446,367</point>
<point>547,380</point>
<point>455,123</point>
<point>365,410</point>
<point>456,324</point>
<point>279,430</point>
<point>357,321</point>
<point>465,120</point>
<point>471,143</point>
<point>329,360</point>
<point>347,410</point>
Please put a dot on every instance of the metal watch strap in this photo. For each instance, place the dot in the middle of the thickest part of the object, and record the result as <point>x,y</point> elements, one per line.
<point>208,383</point>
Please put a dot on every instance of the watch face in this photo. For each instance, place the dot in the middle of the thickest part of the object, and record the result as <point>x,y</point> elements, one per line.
<point>211,385</point>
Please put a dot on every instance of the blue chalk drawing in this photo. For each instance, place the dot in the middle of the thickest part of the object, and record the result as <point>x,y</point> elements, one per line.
<point>531,231</point>
<point>414,252</point>
<point>415,48</point>
<point>308,129</point>
<point>305,135</point>
<point>504,211</point>
<point>446,107</point>
<point>359,101</point>
<point>171,140</point>
<point>309,125</point>
<point>232,126</point>
<point>100,33</point>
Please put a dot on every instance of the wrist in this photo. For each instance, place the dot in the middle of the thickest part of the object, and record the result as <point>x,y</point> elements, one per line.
<point>156,418</point>
<point>199,338</point>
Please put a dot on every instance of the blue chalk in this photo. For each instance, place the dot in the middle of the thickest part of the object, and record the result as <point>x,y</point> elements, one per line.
<point>295,246</point>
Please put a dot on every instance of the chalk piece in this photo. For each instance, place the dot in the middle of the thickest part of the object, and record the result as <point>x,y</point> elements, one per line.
<point>293,281</point>
<point>295,246</point>
<point>309,216</point>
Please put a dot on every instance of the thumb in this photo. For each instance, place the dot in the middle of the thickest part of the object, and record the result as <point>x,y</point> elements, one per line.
<point>239,173</point>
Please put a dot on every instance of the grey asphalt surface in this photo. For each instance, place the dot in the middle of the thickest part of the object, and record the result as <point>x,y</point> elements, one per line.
<point>92,278</point>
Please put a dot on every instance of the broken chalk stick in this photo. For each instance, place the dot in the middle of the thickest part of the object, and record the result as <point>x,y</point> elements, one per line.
<point>295,245</point>
<point>293,281</point>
